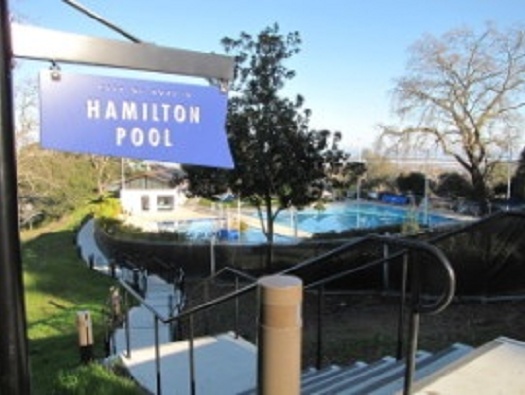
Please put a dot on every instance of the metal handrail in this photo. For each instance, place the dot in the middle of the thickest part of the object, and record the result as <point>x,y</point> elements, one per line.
<point>408,244</point>
<point>417,308</point>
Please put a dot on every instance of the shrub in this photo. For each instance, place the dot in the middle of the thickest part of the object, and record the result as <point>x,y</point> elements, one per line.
<point>109,207</point>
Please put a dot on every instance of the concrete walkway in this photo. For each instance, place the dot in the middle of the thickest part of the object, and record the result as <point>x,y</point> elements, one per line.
<point>89,248</point>
<point>224,365</point>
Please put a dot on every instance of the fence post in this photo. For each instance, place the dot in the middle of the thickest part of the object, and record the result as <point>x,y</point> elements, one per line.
<point>280,324</point>
<point>386,267</point>
<point>136,285</point>
<point>112,268</point>
<point>320,312</point>
<point>157,357</point>
<point>236,314</point>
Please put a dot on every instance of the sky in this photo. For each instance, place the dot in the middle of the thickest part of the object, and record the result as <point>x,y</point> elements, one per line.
<point>352,51</point>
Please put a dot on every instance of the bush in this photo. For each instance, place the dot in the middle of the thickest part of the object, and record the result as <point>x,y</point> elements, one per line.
<point>109,207</point>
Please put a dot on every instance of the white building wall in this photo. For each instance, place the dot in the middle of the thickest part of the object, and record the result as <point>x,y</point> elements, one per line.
<point>132,200</point>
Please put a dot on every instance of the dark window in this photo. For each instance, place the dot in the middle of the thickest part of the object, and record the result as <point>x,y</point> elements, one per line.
<point>145,203</point>
<point>165,203</point>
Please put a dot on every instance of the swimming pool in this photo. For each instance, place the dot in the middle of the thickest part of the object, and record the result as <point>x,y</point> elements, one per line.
<point>336,217</point>
<point>202,230</point>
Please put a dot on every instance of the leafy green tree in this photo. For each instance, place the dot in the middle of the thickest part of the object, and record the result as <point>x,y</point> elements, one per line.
<point>453,185</point>
<point>463,93</point>
<point>279,160</point>
<point>58,182</point>
<point>413,182</point>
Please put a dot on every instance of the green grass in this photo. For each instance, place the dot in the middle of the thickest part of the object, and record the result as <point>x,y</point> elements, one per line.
<point>58,285</point>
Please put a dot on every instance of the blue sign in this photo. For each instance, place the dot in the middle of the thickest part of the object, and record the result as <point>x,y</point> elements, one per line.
<point>132,118</point>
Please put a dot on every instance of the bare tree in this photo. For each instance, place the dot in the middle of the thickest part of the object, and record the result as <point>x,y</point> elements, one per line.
<point>463,94</point>
<point>105,170</point>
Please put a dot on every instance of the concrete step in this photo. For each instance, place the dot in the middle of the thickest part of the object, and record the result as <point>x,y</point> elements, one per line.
<point>498,367</point>
<point>424,368</point>
<point>345,376</point>
<point>355,383</point>
<point>384,377</point>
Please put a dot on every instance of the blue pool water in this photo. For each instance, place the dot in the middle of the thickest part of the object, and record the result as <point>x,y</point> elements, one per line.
<point>204,229</point>
<point>337,217</point>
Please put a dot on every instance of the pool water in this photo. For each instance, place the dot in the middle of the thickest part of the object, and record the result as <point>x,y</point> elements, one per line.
<point>336,217</point>
<point>205,229</point>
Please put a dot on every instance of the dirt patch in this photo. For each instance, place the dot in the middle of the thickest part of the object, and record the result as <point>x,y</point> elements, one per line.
<point>364,327</point>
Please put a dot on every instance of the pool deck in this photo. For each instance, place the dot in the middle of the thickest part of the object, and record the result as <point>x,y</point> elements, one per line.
<point>149,221</point>
<point>279,229</point>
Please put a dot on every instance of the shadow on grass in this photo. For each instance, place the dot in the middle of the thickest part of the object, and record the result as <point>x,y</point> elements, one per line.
<point>58,284</point>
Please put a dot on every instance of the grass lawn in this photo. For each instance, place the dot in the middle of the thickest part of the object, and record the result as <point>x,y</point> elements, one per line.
<point>58,285</point>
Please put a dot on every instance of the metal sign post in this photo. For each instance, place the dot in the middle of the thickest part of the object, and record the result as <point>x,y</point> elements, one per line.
<point>14,360</point>
<point>53,46</point>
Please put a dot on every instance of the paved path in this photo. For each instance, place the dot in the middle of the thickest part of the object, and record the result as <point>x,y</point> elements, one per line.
<point>89,248</point>
<point>224,365</point>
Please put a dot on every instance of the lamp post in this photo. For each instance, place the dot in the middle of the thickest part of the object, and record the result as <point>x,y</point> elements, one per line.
<point>509,159</point>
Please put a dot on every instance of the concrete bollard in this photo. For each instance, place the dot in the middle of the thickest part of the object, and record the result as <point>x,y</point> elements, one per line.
<point>85,336</point>
<point>280,325</point>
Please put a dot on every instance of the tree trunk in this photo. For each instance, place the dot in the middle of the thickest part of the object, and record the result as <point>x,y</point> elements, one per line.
<point>269,233</point>
<point>480,190</point>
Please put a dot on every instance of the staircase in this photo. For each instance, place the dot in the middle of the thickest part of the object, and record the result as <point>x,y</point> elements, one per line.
<point>226,365</point>
<point>384,377</point>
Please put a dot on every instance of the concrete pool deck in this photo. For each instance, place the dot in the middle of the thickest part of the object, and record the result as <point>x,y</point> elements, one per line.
<point>167,221</point>
<point>150,221</point>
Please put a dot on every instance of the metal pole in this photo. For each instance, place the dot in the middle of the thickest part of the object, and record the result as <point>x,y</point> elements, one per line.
<point>509,175</point>
<point>157,357</point>
<point>320,312</point>
<point>128,334</point>
<point>98,18</point>
<point>386,268</point>
<point>212,255</point>
<point>415,292</point>
<point>192,358</point>
<point>236,301</point>
<point>401,312</point>
<point>14,358</point>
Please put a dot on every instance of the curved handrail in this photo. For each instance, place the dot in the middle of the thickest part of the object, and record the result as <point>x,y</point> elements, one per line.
<point>433,308</point>
<point>417,307</point>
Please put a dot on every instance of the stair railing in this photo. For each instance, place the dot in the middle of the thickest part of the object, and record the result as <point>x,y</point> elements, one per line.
<point>189,315</point>
<point>410,270</point>
<point>409,266</point>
